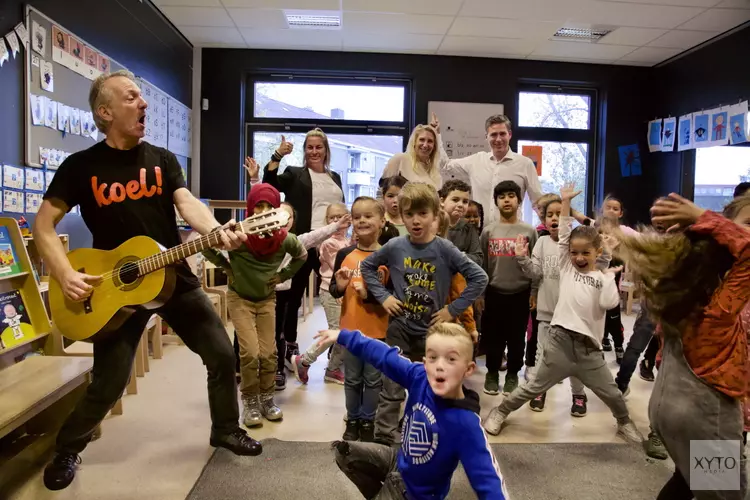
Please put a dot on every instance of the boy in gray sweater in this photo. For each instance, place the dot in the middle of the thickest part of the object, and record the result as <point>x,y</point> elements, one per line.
<point>421,268</point>
<point>508,297</point>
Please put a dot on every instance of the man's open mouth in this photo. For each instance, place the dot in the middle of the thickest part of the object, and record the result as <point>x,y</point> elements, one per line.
<point>142,120</point>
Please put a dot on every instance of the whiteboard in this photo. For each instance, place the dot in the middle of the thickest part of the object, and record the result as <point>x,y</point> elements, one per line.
<point>462,125</point>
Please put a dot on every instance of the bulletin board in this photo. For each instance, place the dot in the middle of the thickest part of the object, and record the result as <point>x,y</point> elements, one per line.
<point>74,65</point>
<point>69,87</point>
<point>462,125</point>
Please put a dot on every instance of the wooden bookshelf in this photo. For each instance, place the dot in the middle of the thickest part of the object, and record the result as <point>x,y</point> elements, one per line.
<point>25,282</point>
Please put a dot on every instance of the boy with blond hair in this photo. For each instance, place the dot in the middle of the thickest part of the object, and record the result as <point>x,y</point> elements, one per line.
<point>438,404</point>
<point>421,268</point>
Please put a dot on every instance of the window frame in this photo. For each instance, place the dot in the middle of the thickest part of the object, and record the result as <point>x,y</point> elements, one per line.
<point>330,126</point>
<point>589,136</point>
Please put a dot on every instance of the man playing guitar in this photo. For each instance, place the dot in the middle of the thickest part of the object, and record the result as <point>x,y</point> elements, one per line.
<point>125,188</point>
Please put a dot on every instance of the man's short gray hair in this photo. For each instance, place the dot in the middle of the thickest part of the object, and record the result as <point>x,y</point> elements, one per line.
<point>497,120</point>
<point>99,96</point>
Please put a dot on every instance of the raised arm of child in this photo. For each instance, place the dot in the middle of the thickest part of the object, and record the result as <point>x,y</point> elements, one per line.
<point>377,353</point>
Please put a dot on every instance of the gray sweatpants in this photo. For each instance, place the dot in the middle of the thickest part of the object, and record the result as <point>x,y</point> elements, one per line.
<point>576,386</point>
<point>683,408</point>
<point>569,354</point>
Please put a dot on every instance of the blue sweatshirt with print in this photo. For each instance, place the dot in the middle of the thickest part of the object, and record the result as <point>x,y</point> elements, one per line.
<point>425,462</point>
<point>421,275</point>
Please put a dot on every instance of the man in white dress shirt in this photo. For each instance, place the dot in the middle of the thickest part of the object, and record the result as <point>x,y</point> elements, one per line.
<point>483,171</point>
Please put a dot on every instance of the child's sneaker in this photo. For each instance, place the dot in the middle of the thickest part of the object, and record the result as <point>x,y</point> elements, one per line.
<point>629,432</point>
<point>646,372</point>
<point>511,382</point>
<point>352,430</point>
<point>537,404</point>
<point>494,422</point>
<point>606,344</point>
<point>280,380</point>
<point>251,416</point>
<point>619,353</point>
<point>292,349</point>
<point>654,447</point>
<point>366,431</point>
<point>335,376</point>
<point>492,384</point>
<point>300,369</point>
<point>269,409</point>
<point>578,409</point>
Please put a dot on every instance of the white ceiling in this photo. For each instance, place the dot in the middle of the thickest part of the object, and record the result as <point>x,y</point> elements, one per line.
<point>646,32</point>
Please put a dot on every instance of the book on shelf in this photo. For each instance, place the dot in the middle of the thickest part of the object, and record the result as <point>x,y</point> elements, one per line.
<point>15,323</point>
<point>9,263</point>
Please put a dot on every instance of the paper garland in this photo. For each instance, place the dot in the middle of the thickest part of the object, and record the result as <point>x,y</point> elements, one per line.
<point>702,129</point>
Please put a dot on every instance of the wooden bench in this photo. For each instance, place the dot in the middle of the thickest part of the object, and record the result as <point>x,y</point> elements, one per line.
<point>36,395</point>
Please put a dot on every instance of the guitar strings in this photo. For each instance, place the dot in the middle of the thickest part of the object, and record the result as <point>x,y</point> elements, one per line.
<point>110,275</point>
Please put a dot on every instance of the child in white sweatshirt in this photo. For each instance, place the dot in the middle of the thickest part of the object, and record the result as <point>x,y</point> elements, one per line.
<point>313,239</point>
<point>573,346</point>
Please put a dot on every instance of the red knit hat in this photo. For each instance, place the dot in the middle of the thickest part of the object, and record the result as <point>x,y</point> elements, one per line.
<point>262,192</point>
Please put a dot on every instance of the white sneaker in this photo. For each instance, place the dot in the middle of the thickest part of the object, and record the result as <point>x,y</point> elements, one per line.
<point>494,422</point>
<point>629,432</point>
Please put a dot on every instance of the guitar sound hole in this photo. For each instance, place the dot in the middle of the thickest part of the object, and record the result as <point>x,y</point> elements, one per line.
<point>128,273</point>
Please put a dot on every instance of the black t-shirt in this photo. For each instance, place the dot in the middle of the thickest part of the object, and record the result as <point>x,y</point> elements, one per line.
<point>124,193</point>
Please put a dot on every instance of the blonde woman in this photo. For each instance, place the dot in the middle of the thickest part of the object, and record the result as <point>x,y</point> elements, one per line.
<point>310,189</point>
<point>421,160</point>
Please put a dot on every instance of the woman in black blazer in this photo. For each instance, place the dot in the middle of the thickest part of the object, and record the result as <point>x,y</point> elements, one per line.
<point>310,189</point>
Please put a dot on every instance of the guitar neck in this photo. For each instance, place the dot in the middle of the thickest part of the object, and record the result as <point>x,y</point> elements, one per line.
<point>180,252</point>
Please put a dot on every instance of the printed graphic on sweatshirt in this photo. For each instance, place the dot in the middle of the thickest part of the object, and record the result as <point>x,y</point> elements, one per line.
<point>588,280</point>
<point>419,438</point>
<point>419,302</point>
<point>502,247</point>
<point>551,267</point>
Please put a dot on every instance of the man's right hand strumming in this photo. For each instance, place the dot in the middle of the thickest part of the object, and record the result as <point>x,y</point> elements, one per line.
<point>78,286</point>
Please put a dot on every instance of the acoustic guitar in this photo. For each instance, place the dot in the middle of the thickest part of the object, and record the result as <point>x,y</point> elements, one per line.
<point>134,275</point>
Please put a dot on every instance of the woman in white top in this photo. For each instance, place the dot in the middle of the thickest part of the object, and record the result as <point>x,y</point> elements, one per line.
<point>421,160</point>
<point>309,189</point>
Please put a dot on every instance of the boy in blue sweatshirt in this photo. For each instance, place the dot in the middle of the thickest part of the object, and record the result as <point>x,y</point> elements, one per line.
<point>421,268</point>
<point>438,406</point>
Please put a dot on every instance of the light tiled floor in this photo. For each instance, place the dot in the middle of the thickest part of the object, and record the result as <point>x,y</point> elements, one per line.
<point>157,449</point>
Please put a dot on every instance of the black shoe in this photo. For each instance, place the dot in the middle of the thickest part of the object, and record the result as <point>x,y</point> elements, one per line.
<point>280,381</point>
<point>238,443</point>
<point>352,430</point>
<point>61,471</point>
<point>646,372</point>
<point>619,353</point>
<point>537,404</point>
<point>367,431</point>
<point>292,349</point>
<point>578,409</point>
<point>606,345</point>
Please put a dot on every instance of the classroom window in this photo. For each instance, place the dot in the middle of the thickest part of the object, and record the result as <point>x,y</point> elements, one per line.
<point>365,119</point>
<point>382,103</point>
<point>562,122</point>
<point>718,170</point>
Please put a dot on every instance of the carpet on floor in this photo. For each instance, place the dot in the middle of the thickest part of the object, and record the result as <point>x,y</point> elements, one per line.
<point>304,470</point>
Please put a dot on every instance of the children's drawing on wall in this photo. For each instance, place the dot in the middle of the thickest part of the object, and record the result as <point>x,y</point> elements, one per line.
<point>48,78</point>
<point>685,133</point>
<point>701,132</point>
<point>37,109</point>
<point>76,49</point>
<point>630,160</point>
<point>91,57</point>
<point>654,135</point>
<point>38,38</point>
<point>719,120</point>
<point>738,123</point>
<point>668,134</point>
<point>103,64</point>
<point>60,39</point>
